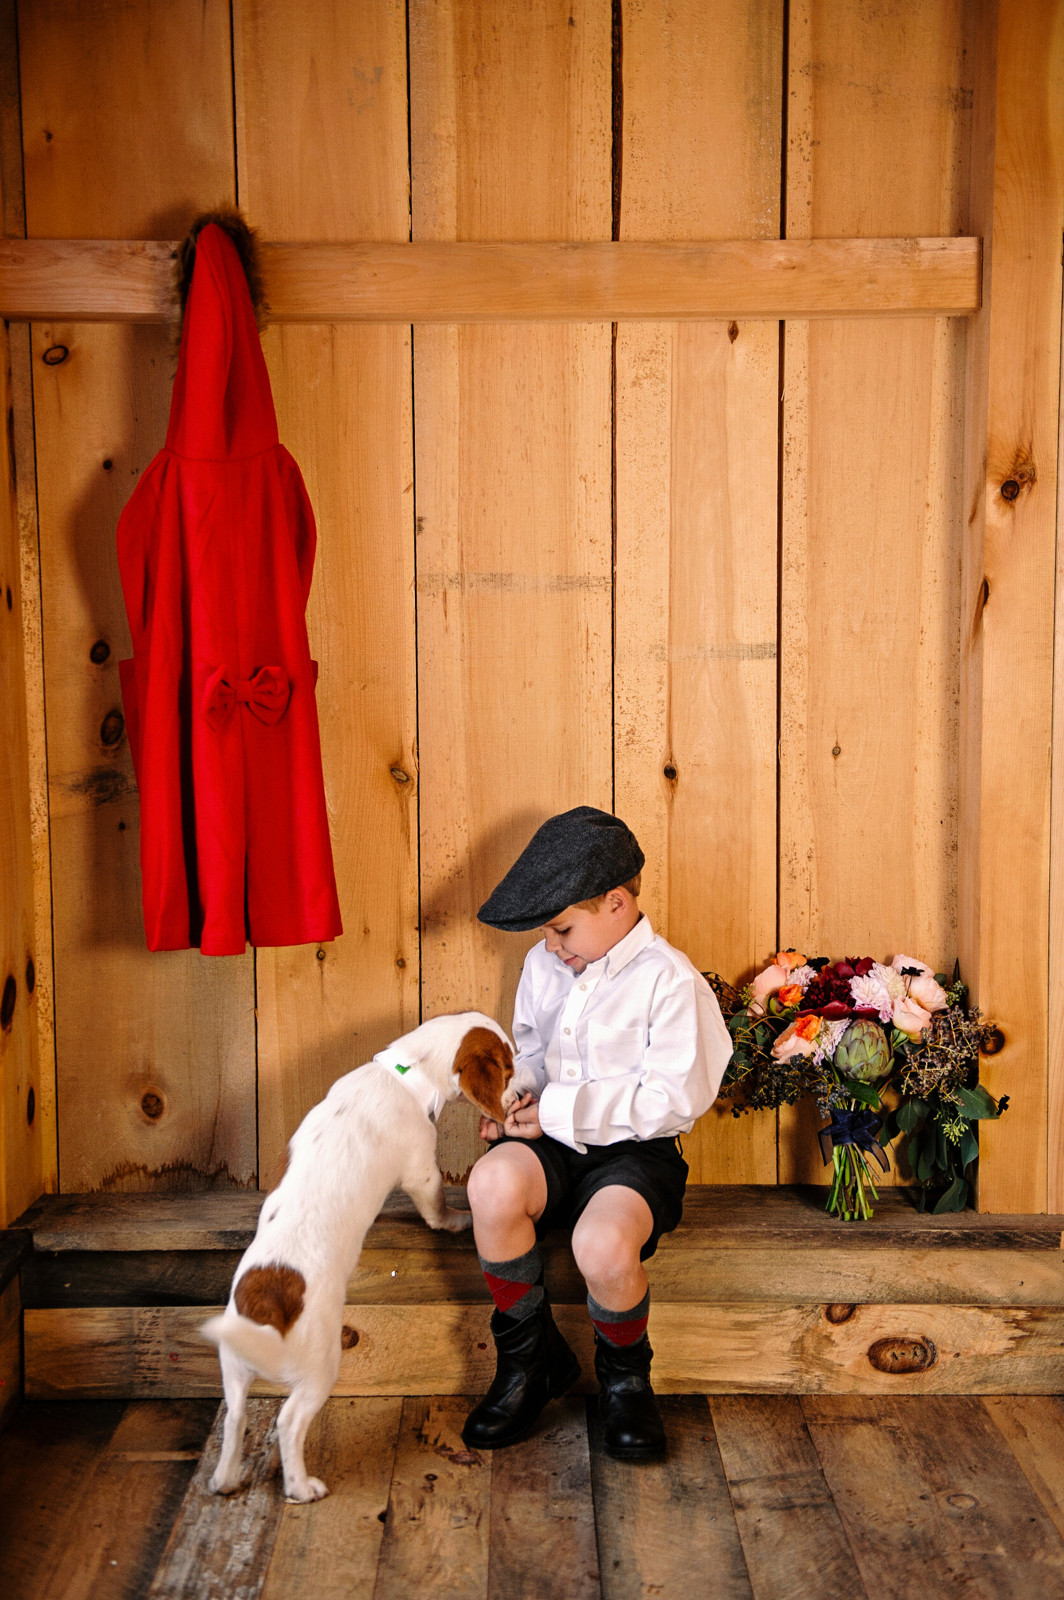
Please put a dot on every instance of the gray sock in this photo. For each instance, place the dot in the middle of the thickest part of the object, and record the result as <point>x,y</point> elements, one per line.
<point>620,1327</point>
<point>516,1286</point>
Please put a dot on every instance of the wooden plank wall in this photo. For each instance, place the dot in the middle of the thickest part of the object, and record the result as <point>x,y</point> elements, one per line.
<point>707,574</point>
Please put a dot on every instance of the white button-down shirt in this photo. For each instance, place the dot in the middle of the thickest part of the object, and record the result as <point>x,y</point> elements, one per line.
<point>634,1047</point>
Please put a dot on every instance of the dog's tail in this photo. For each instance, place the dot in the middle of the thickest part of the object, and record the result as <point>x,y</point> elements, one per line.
<point>257,1343</point>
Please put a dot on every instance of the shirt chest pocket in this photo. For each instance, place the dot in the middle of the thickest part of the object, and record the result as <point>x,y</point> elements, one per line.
<point>612,1052</point>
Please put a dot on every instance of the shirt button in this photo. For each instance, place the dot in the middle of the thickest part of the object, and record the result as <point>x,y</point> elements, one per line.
<point>570,1072</point>
<point>567,1030</point>
<point>583,986</point>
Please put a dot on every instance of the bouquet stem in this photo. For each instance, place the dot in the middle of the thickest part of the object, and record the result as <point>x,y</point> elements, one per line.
<point>852,1188</point>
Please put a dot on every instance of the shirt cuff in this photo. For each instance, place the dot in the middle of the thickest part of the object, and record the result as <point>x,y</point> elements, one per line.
<point>557,1111</point>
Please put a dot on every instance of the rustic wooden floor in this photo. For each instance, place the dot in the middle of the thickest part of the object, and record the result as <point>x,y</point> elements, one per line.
<point>762,1496</point>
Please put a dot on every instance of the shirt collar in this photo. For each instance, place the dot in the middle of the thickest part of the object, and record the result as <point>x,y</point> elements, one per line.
<point>415,1080</point>
<point>615,960</point>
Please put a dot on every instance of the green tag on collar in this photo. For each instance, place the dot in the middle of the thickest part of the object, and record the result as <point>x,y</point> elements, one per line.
<point>400,1068</point>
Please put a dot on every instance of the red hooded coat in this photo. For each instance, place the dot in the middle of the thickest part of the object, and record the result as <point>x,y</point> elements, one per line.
<point>216,551</point>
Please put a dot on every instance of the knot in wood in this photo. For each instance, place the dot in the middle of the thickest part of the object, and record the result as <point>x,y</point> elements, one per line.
<point>399,775</point>
<point>349,1337</point>
<point>993,1042</point>
<point>838,1312</point>
<point>112,728</point>
<point>7,1003</point>
<point>31,1106</point>
<point>9,597</point>
<point>99,652</point>
<point>31,974</point>
<point>55,355</point>
<point>901,1353</point>
<point>152,1104</point>
<point>1010,489</point>
<point>669,771</point>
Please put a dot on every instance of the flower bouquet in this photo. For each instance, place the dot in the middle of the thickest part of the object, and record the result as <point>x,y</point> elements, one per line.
<point>883,1050</point>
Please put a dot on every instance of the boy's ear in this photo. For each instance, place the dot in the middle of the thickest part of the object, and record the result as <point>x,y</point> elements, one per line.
<point>484,1064</point>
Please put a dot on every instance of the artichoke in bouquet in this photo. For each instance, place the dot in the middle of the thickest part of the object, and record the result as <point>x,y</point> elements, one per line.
<point>863,1052</point>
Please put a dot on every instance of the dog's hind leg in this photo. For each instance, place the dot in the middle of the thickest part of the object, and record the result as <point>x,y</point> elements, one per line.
<point>236,1380</point>
<point>293,1420</point>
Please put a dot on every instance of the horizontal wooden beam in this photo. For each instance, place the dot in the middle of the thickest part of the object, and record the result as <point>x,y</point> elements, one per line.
<point>442,1348</point>
<point>102,280</point>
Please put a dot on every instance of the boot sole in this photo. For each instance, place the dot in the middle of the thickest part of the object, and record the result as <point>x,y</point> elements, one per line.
<point>655,1453</point>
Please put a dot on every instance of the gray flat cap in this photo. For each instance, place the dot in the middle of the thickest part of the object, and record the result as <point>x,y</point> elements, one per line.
<point>573,856</point>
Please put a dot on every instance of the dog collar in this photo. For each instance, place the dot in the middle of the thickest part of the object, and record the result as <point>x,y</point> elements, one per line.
<point>415,1080</point>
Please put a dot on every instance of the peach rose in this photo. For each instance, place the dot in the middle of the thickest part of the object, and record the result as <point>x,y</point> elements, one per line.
<point>910,1017</point>
<point>764,984</point>
<point>900,962</point>
<point>927,993</point>
<point>790,994</point>
<point>789,959</point>
<point>797,1040</point>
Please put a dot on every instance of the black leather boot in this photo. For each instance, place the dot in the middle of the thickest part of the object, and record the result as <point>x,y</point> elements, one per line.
<point>534,1364</point>
<point>630,1416</point>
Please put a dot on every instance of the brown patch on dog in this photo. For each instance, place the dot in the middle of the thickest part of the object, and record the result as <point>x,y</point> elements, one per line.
<point>272,1295</point>
<point>484,1064</point>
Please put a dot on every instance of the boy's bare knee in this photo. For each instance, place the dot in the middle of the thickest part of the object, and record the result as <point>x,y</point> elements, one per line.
<point>499,1186</point>
<point>602,1251</point>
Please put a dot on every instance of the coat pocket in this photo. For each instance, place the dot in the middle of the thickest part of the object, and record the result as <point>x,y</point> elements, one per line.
<point>611,1051</point>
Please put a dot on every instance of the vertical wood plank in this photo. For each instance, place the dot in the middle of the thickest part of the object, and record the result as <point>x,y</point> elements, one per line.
<point>1007,641</point>
<point>30,794</point>
<point>127,118</point>
<point>878,127</point>
<point>696,490</point>
<point>792,1537</point>
<point>663,1529</point>
<point>510,127</point>
<point>436,1533</point>
<point>329,1548</point>
<point>20,1130</point>
<point>322,154</point>
<point>542,1538</point>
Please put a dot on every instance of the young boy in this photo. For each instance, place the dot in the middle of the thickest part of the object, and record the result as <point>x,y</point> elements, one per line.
<point>623,1045</point>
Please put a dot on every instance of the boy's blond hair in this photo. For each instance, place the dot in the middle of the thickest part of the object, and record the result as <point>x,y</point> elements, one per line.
<point>596,900</point>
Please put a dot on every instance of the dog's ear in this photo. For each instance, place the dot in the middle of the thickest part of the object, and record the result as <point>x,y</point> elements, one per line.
<point>484,1064</point>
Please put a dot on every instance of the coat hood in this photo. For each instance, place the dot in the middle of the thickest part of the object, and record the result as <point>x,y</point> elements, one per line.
<point>222,406</point>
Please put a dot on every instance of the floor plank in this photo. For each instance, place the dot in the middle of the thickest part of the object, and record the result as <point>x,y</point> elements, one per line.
<point>1034,1428</point>
<point>542,1538</point>
<point>991,1513</point>
<point>793,1540</point>
<point>46,1459</point>
<point>330,1548</point>
<point>663,1527</point>
<point>893,1521</point>
<point>436,1533</point>
<point>220,1546</point>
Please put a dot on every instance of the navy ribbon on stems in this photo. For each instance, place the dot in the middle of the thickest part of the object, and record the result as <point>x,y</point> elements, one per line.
<point>857,1127</point>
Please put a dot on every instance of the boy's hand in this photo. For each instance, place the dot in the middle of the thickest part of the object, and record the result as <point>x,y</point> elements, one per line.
<point>522,1121</point>
<point>490,1130</point>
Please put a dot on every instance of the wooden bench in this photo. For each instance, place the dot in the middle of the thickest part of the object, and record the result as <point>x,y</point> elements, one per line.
<point>756,1291</point>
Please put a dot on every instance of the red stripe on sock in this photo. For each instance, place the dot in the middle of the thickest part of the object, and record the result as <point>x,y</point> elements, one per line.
<point>622,1332</point>
<point>505,1292</point>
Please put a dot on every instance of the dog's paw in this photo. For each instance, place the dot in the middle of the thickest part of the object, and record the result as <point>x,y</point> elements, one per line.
<point>297,1494</point>
<point>456,1221</point>
<point>222,1485</point>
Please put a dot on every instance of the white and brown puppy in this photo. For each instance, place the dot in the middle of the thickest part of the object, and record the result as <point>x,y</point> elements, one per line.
<point>374,1131</point>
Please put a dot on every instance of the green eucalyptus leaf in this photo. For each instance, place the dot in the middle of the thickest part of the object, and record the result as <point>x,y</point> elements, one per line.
<point>954,1199</point>
<point>969,1147</point>
<point>978,1103</point>
<point>911,1114</point>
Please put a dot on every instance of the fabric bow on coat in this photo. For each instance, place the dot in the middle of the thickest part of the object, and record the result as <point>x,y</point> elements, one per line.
<point>216,551</point>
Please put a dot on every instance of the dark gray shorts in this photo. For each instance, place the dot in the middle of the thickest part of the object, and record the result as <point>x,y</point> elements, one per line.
<point>654,1168</point>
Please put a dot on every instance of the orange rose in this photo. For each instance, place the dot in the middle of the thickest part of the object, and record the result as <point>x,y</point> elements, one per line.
<point>789,994</point>
<point>808,1027</point>
<point>789,959</point>
<point>796,1040</point>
